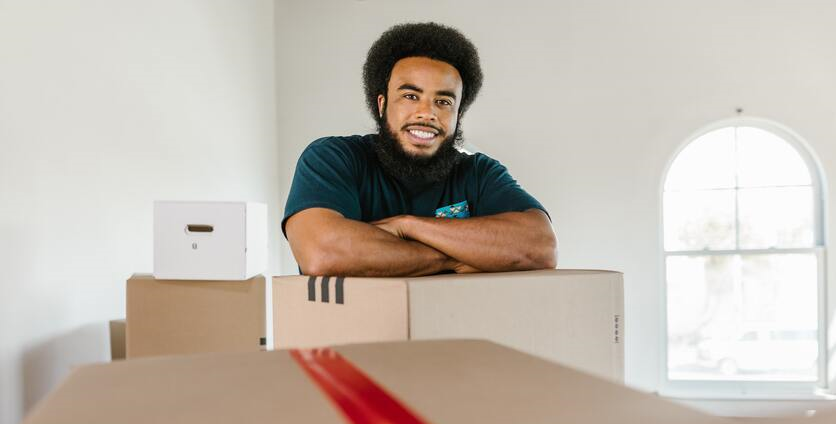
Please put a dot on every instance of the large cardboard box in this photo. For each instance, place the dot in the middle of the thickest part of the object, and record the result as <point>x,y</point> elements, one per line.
<point>574,317</point>
<point>166,317</point>
<point>439,381</point>
<point>209,240</point>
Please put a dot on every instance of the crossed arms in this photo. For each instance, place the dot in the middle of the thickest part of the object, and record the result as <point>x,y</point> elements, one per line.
<point>326,243</point>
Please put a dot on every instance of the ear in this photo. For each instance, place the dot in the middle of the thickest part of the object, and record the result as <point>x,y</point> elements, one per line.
<point>381,101</point>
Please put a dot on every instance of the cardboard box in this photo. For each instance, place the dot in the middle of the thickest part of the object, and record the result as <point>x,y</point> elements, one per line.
<point>440,381</point>
<point>166,317</point>
<point>574,317</point>
<point>117,339</point>
<point>209,240</point>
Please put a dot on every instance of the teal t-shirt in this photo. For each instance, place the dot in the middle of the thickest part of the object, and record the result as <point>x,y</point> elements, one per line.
<point>344,174</point>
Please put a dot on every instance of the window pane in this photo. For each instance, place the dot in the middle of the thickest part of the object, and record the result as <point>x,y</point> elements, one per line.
<point>699,219</point>
<point>776,217</point>
<point>700,294</point>
<point>764,159</point>
<point>690,169</point>
<point>743,318</point>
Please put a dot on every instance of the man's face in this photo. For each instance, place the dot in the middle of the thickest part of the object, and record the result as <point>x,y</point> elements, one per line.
<point>421,104</point>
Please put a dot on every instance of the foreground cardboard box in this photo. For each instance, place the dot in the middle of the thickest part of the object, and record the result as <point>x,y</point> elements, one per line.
<point>442,381</point>
<point>574,317</point>
<point>166,317</point>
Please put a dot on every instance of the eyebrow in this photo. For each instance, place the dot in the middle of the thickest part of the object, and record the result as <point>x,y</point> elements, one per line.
<point>411,87</point>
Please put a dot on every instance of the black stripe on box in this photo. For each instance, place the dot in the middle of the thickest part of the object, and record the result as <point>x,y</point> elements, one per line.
<point>312,288</point>
<point>338,289</point>
<point>324,293</point>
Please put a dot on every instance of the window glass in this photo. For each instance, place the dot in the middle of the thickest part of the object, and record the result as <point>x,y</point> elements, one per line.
<point>764,159</point>
<point>742,271</point>
<point>776,217</point>
<point>742,317</point>
<point>700,219</point>
<point>706,164</point>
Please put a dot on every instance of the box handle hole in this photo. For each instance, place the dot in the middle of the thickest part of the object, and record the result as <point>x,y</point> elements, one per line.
<point>199,228</point>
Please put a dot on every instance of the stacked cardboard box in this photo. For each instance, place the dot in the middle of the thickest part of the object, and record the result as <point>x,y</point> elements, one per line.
<point>167,317</point>
<point>205,294</point>
<point>117,339</point>
<point>574,317</point>
<point>209,240</point>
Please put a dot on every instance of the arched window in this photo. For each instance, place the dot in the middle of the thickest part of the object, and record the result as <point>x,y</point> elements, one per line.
<point>744,264</point>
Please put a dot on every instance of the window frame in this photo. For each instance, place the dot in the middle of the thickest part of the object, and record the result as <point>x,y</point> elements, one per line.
<point>730,389</point>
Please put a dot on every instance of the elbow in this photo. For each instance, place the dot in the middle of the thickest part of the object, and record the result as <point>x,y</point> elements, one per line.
<point>322,266</point>
<point>545,259</point>
<point>314,267</point>
<point>318,263</point>
<point>550,250</point>
<point>315,259</point>
<point>551,263</point>
<point>548,260</point>
<point>316,248</point>
<point>543,255</point>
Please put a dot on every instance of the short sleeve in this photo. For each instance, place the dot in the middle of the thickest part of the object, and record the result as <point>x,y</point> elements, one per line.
<point>325,177</point>
<point>498,191</point>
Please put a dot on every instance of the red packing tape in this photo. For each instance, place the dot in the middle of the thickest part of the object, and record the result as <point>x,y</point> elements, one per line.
<point>361,400</point>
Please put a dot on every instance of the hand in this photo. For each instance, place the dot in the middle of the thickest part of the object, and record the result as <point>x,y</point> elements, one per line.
<point>463,268</point>
<point>394,225</point>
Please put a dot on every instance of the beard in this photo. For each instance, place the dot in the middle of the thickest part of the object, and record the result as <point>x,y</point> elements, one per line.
<point>413,170</point>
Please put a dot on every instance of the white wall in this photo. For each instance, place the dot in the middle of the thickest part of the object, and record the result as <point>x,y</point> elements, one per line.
<point>106,106</point>
<point>586,102</point>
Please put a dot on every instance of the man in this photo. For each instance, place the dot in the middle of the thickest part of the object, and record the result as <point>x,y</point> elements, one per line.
<point>406,201</point>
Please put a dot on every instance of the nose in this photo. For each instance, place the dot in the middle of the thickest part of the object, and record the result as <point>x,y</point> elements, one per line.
<point>426,111</point>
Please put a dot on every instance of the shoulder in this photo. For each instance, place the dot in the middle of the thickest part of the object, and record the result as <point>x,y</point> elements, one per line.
<point>351,145</point>
<point>481,163</point>
<point>486,171</point>
<point>349,151</point>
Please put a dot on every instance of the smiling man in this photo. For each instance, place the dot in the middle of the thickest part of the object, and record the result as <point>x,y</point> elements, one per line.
<point>406,201</point>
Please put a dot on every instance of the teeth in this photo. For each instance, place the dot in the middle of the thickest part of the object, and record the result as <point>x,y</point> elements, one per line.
<point>422,134</point>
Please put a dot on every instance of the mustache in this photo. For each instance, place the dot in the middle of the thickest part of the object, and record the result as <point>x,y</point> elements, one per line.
<point>411,170</point>
<point>424,124</point>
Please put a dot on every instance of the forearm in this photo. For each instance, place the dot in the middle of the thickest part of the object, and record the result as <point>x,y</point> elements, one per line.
<point>502,242</point>
<point>346,247</point>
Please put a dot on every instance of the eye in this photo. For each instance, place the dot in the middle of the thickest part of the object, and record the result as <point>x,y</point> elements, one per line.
<point>444,102</point>
<point>410,96</point>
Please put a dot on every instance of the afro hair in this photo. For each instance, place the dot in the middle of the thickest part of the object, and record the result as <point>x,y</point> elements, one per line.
<point>430,40</point>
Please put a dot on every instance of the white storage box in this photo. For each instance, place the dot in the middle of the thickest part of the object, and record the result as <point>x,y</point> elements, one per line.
<point>209,240</point>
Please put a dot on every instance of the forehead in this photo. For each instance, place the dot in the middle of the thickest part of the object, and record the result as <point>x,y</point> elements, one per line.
<point>425,73</point>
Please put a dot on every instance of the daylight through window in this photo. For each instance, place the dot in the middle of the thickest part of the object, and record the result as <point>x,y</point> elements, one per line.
<point>743,259</point>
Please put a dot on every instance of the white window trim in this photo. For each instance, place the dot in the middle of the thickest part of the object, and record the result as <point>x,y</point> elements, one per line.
<point>749,390</point>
